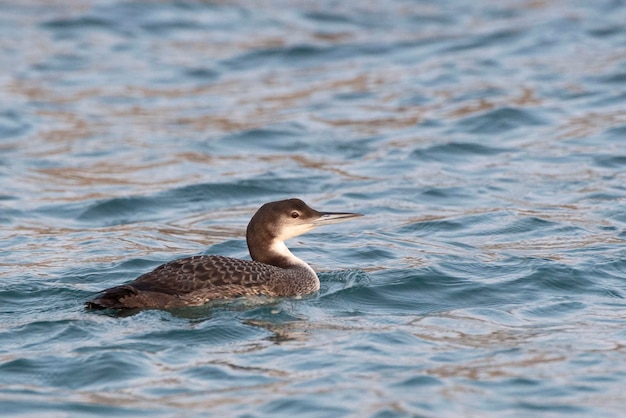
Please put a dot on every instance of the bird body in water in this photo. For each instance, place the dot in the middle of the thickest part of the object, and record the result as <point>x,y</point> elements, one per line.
<point>194,281</point>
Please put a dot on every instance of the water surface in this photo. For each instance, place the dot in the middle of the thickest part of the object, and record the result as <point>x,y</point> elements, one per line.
<point>484,142</point>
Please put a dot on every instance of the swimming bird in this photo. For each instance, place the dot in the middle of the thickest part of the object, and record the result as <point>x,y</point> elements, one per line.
<point>194,281</point>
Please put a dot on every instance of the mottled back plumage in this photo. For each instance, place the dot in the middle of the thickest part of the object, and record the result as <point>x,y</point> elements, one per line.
<point>196,280</point>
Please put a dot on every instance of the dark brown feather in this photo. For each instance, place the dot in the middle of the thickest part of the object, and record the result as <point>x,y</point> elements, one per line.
<point>196,280</point>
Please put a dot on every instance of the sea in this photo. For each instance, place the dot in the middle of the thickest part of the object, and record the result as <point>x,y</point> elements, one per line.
<point>484,141</point>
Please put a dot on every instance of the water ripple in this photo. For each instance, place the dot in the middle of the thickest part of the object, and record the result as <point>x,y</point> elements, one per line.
<point>483,142</point>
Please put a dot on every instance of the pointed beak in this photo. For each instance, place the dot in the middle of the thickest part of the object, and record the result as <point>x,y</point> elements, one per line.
<point>327,218</point>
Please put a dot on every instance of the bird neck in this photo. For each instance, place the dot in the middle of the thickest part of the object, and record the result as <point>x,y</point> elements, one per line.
<point>277,254</point>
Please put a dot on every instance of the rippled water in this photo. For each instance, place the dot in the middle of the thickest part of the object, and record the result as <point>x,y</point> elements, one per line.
<point>485,142</point>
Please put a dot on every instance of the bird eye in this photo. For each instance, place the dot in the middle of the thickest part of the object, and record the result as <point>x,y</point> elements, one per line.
<point>294,214</point>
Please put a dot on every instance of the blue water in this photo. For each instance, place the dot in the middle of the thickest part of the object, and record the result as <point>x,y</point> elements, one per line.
<point>484,141</point>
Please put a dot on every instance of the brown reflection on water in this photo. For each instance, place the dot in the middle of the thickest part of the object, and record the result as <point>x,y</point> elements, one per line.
<point>104,173</point>
<point>525,97</point>
<point>592,123</point>
<point>77,246</point>
<point>524,353</point>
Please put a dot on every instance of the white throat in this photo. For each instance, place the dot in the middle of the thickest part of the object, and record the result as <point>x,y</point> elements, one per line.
<point>278,247</point>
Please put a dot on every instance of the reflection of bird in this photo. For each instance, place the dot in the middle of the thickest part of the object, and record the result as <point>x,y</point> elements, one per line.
<point>196,280</point>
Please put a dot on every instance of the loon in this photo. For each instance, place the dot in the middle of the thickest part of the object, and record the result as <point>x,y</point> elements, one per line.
<point>196,280</point>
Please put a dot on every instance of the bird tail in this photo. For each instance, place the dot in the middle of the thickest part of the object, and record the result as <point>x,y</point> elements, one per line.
<point>111,298</point>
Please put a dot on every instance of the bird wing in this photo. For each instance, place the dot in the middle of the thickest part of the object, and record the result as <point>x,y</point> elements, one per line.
<point>209,274</point>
